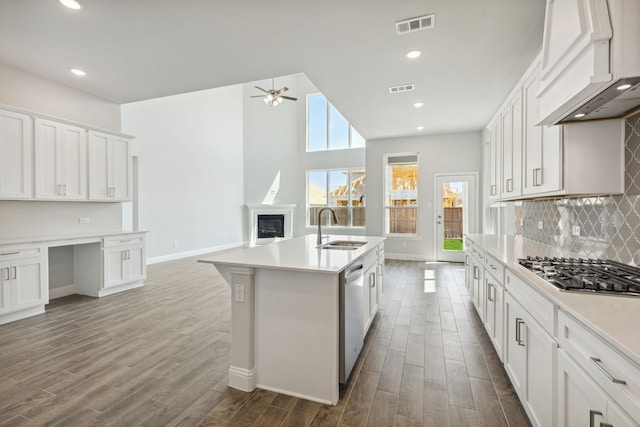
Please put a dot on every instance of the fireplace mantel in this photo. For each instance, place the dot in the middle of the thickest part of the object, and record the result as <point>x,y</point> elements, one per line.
<point>259,209</point>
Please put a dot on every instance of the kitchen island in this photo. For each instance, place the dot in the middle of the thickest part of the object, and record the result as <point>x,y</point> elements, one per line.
<point>285,313</point>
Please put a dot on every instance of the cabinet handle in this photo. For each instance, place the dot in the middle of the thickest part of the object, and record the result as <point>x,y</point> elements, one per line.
<point>123,255</point>
<point>519,323</point>
<point>372,280</point>
<point>475,273</point>
<point>65,189</point>
<point>493,189</point>
<point>8,276</point>
<point>128,254</point>
<point>592,416</point>
<point>466,260</point>
<point>606,425</point>
<point>489,286</point>
<point>509,184</point>
<point>599,364</point>
<point>15,272</point>
<point>10,253</point>
<point>493,267</point>
<point>537,177</point>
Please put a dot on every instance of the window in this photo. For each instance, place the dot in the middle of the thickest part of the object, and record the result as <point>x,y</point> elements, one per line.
<point>401,193</point>
<point>340,189</point>
<point>327,129</point>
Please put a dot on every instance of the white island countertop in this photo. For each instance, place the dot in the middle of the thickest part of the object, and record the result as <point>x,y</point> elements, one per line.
<point>297,254</point>
<point>613,318</point>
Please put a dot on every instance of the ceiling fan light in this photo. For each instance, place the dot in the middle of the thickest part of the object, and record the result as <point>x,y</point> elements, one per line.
<point>266,101</point>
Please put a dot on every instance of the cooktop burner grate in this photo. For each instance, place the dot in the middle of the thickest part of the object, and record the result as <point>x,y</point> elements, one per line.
<point>586,275</point>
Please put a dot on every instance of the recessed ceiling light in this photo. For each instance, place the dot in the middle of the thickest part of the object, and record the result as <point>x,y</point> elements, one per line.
<point>414,54</point>
<point>418,104</point>
<point>71,4</point>
<point>624,87</point>
<point>579,115</point>
<point>78,72</point>
<point>420,127</point>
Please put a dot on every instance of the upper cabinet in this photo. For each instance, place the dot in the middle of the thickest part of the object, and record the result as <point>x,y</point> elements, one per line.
<point>61,161</point>
<point>589,50</point>
<point>494,159</point>
<point>511,119</point>
<point>110,167</point>
<point>16,168</point>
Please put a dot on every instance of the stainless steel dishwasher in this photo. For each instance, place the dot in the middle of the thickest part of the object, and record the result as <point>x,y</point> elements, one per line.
<point>351,317</point>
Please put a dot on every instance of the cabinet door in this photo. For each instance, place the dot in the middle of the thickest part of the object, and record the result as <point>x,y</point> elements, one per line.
<point>512,148</point>
<point>580,401</point>
<point>550,176</point>
<point>5,288</point>
<point>28,283</point>
<point>98,166</point>
<point>532,143</point>
<point>15,156</point>
<point>540,373</point>
<point>114,267</point>
<point>494,312</point>
<point>468,274</point>
<point>48,159</point>
<point>74,163</point>
<point>121,168</point>
<point>494,160</point>
<point>136,266</point>
<point>478,287</point>
<point>514,350</point>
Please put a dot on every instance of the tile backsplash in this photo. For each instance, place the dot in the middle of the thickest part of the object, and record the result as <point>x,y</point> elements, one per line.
<point>609,225</point>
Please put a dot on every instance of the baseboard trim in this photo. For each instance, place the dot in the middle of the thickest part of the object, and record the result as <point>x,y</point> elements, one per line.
<point>61,291</point>
<point>22,314</point>
<point>298,395</point>
<point>405,257</point>
<point>187,254</point>
<point>242,379</point>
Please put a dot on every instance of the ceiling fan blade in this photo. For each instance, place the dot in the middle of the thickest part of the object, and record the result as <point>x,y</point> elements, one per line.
<point>282,90</point>
<point>289,98</point>
<point>258,87</point>
<point>257,96</point>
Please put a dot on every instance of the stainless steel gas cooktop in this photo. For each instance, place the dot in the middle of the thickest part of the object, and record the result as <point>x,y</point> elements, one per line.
<point>594,276</point>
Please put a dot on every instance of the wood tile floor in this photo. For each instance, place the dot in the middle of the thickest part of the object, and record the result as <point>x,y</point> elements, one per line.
<point>158,356</point>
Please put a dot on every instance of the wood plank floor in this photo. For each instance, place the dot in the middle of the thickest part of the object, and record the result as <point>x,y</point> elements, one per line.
<point>159,355</point>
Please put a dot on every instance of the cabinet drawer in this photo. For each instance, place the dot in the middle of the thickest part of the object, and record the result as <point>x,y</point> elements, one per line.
<point>123,240</point>
<point>493,266</point>
<point>370,259</point>
<point>540,308</point>
<point>614,372</point>
<point>477,252</point>
<point>12,252</point>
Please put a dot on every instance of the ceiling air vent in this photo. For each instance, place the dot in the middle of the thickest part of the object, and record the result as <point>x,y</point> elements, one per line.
<point>401,88</point>
<point>415,24</point>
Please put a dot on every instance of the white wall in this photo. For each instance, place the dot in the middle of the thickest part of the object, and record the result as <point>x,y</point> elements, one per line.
<point>275,142</point>
<point>438,154</point>
<point>190,170</point>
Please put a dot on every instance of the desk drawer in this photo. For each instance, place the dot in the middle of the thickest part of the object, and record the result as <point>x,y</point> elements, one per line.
<point>123,240</point>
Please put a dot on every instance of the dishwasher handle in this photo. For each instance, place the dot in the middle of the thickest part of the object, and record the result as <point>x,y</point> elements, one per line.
<point>353,273</point>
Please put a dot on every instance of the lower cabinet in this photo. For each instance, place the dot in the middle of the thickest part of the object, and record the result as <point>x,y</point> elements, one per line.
<point>494,311</point>
<point>23,281</point>
<point>124,260</point>
<point>371,266</point>
<point>477,285</point>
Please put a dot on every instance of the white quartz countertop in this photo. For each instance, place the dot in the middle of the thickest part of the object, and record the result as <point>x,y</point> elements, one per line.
<point>76,236</point>
<point>297,254</point>
<point>613,318</point>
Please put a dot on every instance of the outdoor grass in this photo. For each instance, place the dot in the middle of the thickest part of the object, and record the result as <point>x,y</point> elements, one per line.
<point>452,244</point>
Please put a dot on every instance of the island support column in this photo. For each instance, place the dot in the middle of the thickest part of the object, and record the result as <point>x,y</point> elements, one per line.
<point>242,372</point>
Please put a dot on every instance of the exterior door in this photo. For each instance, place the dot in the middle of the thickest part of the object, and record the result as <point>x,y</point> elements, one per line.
<point>456,214</point>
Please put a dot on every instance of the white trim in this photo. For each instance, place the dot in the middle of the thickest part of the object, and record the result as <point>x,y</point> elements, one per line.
<point>242,379</point>
<point>405,257</point>
<point>277,209</point>
<point>62,291</point>
<point>22,314</point>
<point>298,395</point>
<point>195,252</point>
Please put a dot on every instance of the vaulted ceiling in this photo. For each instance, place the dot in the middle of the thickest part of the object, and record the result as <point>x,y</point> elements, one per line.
<point>140,49</point>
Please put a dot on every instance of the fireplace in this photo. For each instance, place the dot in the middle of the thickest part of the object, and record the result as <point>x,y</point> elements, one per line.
<point>270,226</point>
<point>270,223</point>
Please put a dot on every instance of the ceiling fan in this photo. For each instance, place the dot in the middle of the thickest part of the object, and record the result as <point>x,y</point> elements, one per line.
<point>274,97</point>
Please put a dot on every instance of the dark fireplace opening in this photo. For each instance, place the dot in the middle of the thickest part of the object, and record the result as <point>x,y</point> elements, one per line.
<point>270,226</point>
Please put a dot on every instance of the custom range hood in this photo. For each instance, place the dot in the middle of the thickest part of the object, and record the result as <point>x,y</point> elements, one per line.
<point>590,60</point>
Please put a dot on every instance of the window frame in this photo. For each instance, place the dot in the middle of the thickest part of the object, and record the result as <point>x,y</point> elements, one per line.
<point>387,208</point>
<point>327,146</point>
<point>349,207</point>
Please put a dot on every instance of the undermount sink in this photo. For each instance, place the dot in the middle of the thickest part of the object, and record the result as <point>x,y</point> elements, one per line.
<point>345,245</point>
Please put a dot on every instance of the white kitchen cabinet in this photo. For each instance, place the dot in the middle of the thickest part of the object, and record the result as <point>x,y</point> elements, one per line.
<point>494,302</point>
<point>477,284</point>
<point>370,297</point>
<point>495,129</point>
<point>124,260</point>
<point>110,167</point>
<point>530,362</point>
<point>581,402</point>
<point>60,161</point>
<point>542,145</point>
<point>511,122</point>
<point>23,280</point>
<point>16,167</point>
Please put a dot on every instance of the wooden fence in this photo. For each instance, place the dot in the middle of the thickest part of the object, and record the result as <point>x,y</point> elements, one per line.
<point>453,223</point>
